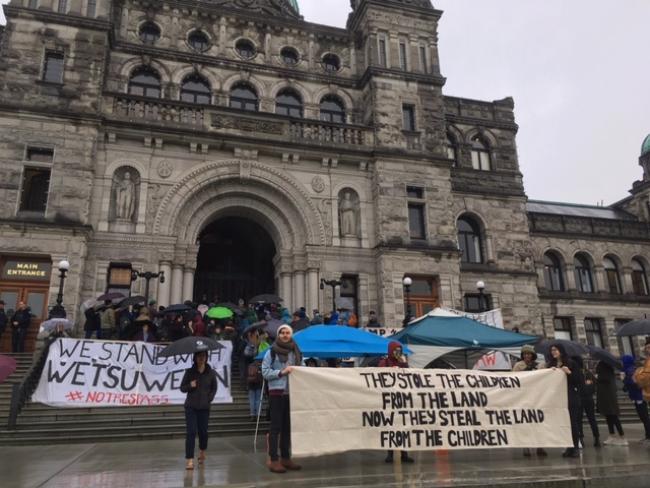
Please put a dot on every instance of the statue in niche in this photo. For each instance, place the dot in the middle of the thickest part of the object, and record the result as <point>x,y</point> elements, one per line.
<point>125,193</point>
<point>348,214</point>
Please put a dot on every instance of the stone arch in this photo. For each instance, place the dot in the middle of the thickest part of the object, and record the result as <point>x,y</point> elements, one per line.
<point>456,133</point>
<point>304,93</point>
<point>129,65</point>
<point>485,134</point>
<point>246,78</point>
<point>237,177</point>
<point>641,259</point>
<point>557,253</point>
<point>337,92</point>
<point>180,73</point>
<point>474,215</point>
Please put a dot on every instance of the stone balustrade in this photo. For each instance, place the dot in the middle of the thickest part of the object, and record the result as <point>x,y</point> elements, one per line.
<point>593,227</point>
<point>134,108</point>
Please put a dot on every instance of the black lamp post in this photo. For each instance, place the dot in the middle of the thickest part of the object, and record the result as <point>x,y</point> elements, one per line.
<point>148,276</point>
<point>407,282</point>
<point>333,284</point>
<point>480,286</point>
<point>58,311</point>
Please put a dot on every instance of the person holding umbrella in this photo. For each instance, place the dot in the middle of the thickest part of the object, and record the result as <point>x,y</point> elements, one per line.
<point>277,365</point>
<point>200,384</point>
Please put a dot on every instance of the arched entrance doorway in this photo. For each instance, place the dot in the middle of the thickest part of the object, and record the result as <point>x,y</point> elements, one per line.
<point>235,261</point>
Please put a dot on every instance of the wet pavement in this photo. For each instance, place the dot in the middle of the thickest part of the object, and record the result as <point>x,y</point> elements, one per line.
<point>232,462</point>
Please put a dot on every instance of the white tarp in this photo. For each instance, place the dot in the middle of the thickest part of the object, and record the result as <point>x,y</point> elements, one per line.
<point>338,410</point>
<point>87,373</point>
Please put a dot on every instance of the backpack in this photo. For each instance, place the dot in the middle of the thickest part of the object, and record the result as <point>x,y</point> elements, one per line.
<point>254,374</point>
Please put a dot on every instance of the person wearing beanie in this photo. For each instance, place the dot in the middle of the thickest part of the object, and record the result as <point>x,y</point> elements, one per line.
<point>277,365</point>
<point>635,394</point>
<point>529,363</point>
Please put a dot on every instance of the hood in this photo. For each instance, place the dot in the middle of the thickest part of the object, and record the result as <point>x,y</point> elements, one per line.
<point>627,361</point>
<point>392,346</point>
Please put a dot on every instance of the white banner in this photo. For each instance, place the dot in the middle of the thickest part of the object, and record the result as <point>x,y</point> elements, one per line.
<point>383,331</point>
<point>337,410</point>
<point>86,373</point>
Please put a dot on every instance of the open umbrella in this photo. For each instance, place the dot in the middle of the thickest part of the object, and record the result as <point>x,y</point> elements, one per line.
<point>178,308</point>
<point>52,324</point>
<point>605,356</point>
<point>110,296</point>
<point>190,345</point>
<point>90,303</point>
<point>134,300</point>
<point>229,305</point>
<point>265,298</point>
<point>7,367</point>
<point>572,348</point>
<point>219,313</point>
<point>637,327</point>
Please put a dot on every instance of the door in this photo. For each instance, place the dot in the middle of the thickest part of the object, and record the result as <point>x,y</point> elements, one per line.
<point>424,295</point>
<point>35,297</point>
<point>10,296</point>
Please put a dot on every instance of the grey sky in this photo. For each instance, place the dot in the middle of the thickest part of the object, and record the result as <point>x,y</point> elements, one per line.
<point>578,73</point>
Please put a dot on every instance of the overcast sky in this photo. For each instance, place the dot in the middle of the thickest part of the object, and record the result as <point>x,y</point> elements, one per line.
<point>577,69</point>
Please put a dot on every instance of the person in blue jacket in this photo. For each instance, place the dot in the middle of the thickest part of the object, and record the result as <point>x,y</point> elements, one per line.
<point>635,394</point>
<point>277,365</point>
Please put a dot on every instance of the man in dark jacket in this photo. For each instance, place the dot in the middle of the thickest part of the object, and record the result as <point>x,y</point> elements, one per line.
<point>19,326</point>
<point>3,319</point>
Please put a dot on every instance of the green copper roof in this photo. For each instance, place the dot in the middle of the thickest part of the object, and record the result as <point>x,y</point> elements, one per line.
<point>645,147</point>
<point>294,4</point>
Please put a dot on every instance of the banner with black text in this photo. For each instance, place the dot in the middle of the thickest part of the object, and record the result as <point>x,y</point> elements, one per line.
<point>337,410</point>
<point>87,373</point>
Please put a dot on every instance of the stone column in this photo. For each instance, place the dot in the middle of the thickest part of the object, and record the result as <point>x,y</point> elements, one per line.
<point>188,284</point>
<point>299,289</point>
<point>164,289</point>
<point>570,276</point>
<point>600,280</point>
<point>177,284</point>
<point>312,290</point>
<point>286,291</point>
<point>626,279</point>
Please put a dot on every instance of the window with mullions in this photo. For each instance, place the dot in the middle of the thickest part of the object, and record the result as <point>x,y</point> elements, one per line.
<point>289,56</point>
<point>583,274</point>
<point>331,63</point>
<point>244,97</point>
<point>402,56</point>
<point>480,154</point>
<point>594,331</point>
<point>149,33</point>
<point>53,67</point>
<point>563,327</point>
<point>416,212</point>
<point>91,8</point>
<point>288,103</point>
<point>469,241</point>
<point>35,189</point>
<point>145,82</point>
<point>612,276</point>
<point>332,109</point>
<point>639,278</point>
<point>245,49</point>
<point>198,41</point>
<point>553,276</point>
<point>195,89</point>
<point>408,117</point>
<point>424,66</point>
<point>383,53</point>
<point>625,343</point>
<point>477,303</point>
<point>63,6</point>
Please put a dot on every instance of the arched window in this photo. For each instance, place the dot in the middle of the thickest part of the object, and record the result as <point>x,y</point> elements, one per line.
<point>583,274</point>
<point>195,89</point>
<point>244,97</point>
<point>332,109</point>
<point>331,63</point>
<point>480,154</point>
<point>289,56</point>
<point>452,152</point>
<point>553,276</point>
<point>469,240</point>
<point>288,103</point>
<point>198,41</point>
<point>245,48</point>
<point>612,276</point>
<point>149,33</point>
<point>639,278</point>
<point>145,82</point>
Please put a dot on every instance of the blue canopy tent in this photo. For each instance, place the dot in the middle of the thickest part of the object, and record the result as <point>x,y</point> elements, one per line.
<point>433,335</point>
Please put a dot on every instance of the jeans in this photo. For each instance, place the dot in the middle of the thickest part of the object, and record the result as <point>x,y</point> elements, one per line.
<point>18,339</point>
<point>254,398</point>
<point>98,330</point>
<point>642,412</point>
<point>588,408</point>
<point>196,420</point>
<point>280,427</point>
<point>614,421</point>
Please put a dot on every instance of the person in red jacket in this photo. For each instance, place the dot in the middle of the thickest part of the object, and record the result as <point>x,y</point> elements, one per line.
<point>395,359</point>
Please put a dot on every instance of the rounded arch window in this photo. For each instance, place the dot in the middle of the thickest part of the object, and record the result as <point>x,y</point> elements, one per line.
<point>244,97</point>
<point>612,275</point>
<point>289,56</point>
<point>198,41</point>
<point>145,82</point>
<point>583,273</point>
<point>288,103</point>
<point>639,278</point>
<point>149,33</point>
<point>481,154</point>
<point>331,63</point>
<point>245,48</point>
<point>332,109</point>
<point>470,240</point>
<point>195,89</point>
<point>553,276</point>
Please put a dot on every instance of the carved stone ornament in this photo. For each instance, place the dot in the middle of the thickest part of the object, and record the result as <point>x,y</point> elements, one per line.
<point>165,169</point>
<point>282,8</point>
<point>318,184</point>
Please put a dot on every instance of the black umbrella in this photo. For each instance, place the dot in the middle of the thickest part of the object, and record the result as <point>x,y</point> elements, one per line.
<point>605,356</point>
<point>256,326</point>
<point>637,327</point>
<point>134,300</point>
<point>572,348</point>
<point>178,308</point>
<point>229,305</point>
<point>110,296</point>
<point>190,345</point>
<point>265,298</point>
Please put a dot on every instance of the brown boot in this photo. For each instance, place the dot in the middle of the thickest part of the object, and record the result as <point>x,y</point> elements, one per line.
<point>290,465</point>
<point>276,467</point>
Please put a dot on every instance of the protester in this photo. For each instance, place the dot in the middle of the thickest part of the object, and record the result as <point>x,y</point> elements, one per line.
<point>256,344</point>
<point>19,326</point>
<point>107,320</point>
<point>145,333</point>
<point>587,401</point>
<point>529,363</point>
<point>278,363</point>
<point>636,395</point>
<point>560,360</point>
<point>642,375</point>
<point>395,359</point>
<point>3,319</point>
<point>317,319</point>
<point>372,320</point>
<point>607,403</point>
<point>200,384</point>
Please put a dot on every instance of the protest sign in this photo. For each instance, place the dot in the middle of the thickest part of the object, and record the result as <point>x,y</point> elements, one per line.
<point>337,410</point>
<point>86,373</point>
<point>383,331</point>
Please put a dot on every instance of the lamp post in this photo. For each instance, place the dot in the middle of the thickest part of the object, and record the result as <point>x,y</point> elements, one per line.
<point>148,276</point>
<point>333,284</point>
<point>58,311</point>
<point>480,286</point>
<point>407,282</point>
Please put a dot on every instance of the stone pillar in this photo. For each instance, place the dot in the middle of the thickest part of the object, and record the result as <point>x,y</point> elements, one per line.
<point>188,284</point>
<point>177,284</point>
<point>570,276</point>
<point>286,291</point>
<point>626,280</point>
<point>164,289</point>
<point>312,290</point>
<point>600,280</point>
<point>299,290</point>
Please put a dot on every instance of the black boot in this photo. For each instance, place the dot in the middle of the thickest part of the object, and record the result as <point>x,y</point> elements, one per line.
<point>571,452</point>
<point>405,457</point>
<point>596,441</point>
<point>389,457</point>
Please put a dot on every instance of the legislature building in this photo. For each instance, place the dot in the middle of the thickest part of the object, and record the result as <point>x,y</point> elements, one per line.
<point>242,150</point>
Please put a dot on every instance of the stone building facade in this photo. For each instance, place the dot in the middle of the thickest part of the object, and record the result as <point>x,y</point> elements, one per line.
<point>241,149</point>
